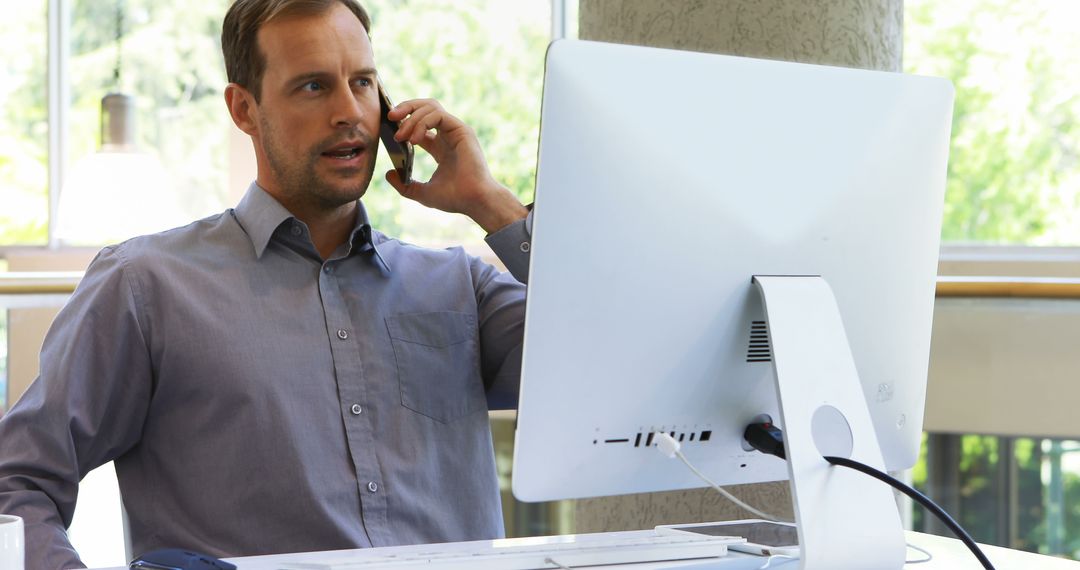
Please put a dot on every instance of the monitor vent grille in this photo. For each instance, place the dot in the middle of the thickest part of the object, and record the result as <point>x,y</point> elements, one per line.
<point>759,349</point>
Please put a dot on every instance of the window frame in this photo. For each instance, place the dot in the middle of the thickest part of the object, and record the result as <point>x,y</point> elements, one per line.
<point>58,29</point>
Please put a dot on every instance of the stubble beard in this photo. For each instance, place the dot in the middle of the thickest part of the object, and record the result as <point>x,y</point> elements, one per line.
<point>300,181</point>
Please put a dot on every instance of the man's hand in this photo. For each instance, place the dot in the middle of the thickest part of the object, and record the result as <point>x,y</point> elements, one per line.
<point>462,183</point>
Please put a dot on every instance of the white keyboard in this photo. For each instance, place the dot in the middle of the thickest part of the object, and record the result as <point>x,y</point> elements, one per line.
<point>518,554</point>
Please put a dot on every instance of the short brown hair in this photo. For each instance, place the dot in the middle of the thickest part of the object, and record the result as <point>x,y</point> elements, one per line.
<point>244,63</point>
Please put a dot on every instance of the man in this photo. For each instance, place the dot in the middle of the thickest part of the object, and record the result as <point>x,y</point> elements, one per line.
<point>280,377</point>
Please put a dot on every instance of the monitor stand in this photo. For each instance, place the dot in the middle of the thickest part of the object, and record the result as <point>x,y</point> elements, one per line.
<point>845,519</point>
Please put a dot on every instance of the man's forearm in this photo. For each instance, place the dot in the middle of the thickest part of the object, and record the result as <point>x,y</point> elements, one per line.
<point>28,491</point>
<point>500,209</point>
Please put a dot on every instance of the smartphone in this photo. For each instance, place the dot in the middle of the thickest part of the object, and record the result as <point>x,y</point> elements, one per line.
<point>401,153</point>
<point>764,538</point>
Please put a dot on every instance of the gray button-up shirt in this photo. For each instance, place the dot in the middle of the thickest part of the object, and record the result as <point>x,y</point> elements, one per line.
<point>257,399</point>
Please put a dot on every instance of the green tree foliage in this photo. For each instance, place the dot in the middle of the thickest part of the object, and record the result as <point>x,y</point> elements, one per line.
<point>993,482</point>
<point>1014,173</point>
<point>484,61</point>
<point>24,127</point>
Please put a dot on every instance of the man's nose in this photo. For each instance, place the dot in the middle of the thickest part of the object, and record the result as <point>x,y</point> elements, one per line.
<point>348,107</point>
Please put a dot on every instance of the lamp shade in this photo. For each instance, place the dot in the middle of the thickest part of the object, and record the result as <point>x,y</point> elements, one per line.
<point>119,191</point>
<point>118,122</point>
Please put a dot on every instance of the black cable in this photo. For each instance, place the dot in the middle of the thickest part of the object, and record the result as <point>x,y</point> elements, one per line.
<point>919,498</point>
<point>767,438</point>
<point>119,44</point>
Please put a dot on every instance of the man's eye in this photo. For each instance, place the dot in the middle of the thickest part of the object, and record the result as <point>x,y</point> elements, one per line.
<point>311,86</point>
<point>364,82</point>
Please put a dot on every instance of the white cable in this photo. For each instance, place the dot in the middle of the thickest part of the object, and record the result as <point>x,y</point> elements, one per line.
<point>769,562</point>
<point>928,558</point>
<point>671,448</point>
<point>725,493</point>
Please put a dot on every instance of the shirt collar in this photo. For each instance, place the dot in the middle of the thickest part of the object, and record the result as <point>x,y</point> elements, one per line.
<point>261,215</point>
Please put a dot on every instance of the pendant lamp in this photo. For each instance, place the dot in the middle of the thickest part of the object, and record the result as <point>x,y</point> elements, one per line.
<point>120,190</point>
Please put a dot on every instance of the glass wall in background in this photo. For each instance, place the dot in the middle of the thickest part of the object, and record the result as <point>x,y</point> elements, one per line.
<point>484,61</point>
<point>1019,492</point>
<point>1014,178</point>
<point>24,124</point>
<point>1014,169</point>
<point>169,59</point>
<point>168,56</point>
<point>1014,166</point>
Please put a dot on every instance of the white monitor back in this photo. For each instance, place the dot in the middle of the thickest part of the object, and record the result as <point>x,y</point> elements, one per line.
<point>666,179</point>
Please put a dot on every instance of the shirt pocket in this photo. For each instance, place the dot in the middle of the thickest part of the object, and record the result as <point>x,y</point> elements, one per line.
<point>438,363</point>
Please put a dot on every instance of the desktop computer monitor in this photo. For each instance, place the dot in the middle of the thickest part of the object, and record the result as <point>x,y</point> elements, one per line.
<point>666,181</point>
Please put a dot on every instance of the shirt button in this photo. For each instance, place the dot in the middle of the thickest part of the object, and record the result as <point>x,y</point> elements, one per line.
<point>525,247</point>
<point>296,231</point>
<point>373,487</point>
<point>342,334</point>
<point>328,269</point>
<point>356,409</point>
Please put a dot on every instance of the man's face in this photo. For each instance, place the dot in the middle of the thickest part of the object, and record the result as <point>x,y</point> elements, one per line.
<point>318,118</point>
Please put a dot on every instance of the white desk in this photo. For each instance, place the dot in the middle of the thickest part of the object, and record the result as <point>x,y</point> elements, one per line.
<point>949,554</point>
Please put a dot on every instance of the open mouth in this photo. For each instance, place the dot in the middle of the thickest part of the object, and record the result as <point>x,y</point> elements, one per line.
<point>347,153</point>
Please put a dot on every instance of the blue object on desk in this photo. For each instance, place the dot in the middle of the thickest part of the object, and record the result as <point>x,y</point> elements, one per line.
<point>177,559</point>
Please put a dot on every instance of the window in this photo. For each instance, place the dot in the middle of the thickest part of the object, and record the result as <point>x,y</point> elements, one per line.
<point>482,59</point>
<point>1017,492</point>
<point>24,125</point>
<point>168,56</point>
<point>1014,179</point>
<point>1014,166</point>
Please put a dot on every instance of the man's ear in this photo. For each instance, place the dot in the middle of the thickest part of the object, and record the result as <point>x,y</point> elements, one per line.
<point>242,108</point>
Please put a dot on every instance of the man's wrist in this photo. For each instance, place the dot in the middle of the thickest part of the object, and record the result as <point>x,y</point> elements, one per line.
<point>501,209</point>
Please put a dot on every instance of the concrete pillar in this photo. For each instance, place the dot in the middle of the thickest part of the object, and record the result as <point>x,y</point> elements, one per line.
<point>852,33</point>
